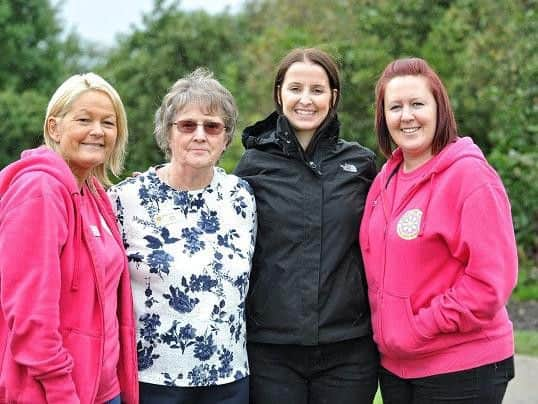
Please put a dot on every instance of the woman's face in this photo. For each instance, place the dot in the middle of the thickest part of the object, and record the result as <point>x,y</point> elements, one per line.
<point>411,117</point>
<point>86,135</point>
<point>305,97</point>
<point>201,148</point>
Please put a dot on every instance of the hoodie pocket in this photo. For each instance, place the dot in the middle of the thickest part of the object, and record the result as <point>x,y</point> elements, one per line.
<point>85,350</point>
<point>397,328</point>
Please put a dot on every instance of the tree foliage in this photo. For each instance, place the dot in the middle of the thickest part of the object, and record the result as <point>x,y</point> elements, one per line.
<point>29,45</point>
<point>485,52</point>
<point>34,60</point>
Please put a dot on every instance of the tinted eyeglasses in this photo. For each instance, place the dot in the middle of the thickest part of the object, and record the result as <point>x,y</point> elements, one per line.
<point>189,126</point>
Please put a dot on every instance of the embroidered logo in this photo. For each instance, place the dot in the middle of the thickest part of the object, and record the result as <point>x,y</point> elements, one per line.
<point>409,224</point>
<point>350,168</point>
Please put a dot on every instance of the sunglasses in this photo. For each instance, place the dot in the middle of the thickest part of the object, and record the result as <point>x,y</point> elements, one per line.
<point>189,126</point>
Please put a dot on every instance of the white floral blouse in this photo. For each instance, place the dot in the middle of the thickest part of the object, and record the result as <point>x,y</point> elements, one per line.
<point>189,256</point>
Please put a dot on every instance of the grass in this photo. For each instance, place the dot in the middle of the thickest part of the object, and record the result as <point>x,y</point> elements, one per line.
<point>377,399</point>
<point>527,342</point>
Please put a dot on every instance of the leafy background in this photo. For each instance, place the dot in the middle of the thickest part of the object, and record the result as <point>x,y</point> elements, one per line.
<point>486,52</point>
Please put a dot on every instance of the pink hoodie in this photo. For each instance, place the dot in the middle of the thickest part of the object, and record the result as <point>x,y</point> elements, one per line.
<point>441,265</point>
<point>51,323</point>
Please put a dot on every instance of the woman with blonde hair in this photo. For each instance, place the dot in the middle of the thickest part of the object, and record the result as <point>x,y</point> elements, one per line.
<point>66,324</point>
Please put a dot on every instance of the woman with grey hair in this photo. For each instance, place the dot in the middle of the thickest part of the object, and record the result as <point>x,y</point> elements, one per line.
<point>189,230</point>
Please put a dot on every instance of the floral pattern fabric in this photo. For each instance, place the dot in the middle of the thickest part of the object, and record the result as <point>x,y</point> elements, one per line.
<point>189,256</point>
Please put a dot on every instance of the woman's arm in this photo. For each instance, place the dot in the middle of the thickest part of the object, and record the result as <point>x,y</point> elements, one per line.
<point>486,243</point>
<point>33,230</point>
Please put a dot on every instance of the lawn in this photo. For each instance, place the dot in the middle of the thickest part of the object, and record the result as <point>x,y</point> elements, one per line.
<point>527,342</point>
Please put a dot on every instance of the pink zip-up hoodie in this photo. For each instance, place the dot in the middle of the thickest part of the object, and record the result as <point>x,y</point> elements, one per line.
<point>441,263</point>
<point>51,319</point>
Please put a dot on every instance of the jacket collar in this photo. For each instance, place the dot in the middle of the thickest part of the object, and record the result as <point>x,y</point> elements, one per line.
<point>276,131</point>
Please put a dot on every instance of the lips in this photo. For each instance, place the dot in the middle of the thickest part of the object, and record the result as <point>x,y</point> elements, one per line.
<point>304,112</point>
<point>410,130</point>
<point>93,144</point>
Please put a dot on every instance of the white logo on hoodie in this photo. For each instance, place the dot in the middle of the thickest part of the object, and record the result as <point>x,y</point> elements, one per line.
<point>409,224</point>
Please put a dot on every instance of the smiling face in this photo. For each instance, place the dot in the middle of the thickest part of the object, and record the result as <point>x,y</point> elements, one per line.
<point>86,134</point>
<point>411,118</point>
<point>305,97</point>
<point>197,150</point>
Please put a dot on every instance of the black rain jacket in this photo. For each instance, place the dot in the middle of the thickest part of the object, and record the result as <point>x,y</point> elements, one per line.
<point>307,282</point>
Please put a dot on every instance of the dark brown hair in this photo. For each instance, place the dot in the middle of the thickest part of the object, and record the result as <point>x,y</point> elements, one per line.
<point>446,129</point>
<point>315,56</point>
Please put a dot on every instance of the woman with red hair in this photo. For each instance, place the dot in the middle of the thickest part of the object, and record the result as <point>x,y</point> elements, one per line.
<point>439,250</point>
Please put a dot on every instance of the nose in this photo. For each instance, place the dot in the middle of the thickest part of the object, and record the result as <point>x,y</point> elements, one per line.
<point>97,129</point>
<point>199,134</point>
<point>407,115</point>
<point>305,97</point>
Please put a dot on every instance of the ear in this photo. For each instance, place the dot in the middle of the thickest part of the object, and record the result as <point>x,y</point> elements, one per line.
<point>52,127</point>
<point>278,97</point>
<point>335,95</point>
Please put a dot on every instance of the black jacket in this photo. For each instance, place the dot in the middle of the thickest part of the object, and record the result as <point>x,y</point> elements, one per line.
<point>307,283</point>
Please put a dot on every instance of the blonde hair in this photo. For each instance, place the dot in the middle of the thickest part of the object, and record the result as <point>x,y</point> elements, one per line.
<point>60,104</point>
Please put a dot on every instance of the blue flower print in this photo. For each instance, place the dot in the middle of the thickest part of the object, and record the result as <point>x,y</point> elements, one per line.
<point>204,348</point>
<point>144,195</point>
<point>182,339</point>
<point>240,205</point>
<point>150,300</point>
<point>187,332</point>
<point>146,356</point>
<point>181,202</point>
<point>209,222</point>
<point>159,262</point>
<point>151,323</point>
<point>193,244</point>
<point>218,314</point>
<point>165,234</point>
<point>190,255</point>
<point>168,381</point>
<point>198,202</point>
<point>203,375</point>
<point>239,375</point>
<point>202,283</point>
<point>241,283</point>
<point>179,301</point>
<point>135,257</point>
<point>226,358</point>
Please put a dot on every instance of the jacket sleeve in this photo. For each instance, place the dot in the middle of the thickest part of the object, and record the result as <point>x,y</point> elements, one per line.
<point>485,243</point>
<point>33,229</point>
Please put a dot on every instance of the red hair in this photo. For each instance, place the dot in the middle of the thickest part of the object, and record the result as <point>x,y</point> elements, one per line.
<point>446,129</point>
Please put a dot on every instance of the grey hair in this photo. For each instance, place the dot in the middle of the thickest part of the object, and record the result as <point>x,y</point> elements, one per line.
<point>198,88</point>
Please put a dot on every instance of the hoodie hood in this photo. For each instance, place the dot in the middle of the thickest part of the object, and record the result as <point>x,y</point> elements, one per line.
<point>46,161</point>
<point>41,159</point>
<point>460,148</point>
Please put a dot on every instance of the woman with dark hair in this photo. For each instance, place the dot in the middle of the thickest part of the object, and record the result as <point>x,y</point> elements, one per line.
<point>308,321</point>
<point>439,250</point>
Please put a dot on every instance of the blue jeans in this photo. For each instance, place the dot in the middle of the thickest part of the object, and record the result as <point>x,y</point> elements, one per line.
<point>484,384</point>
<point>337,373</point>
<point>231,393</point>
<point>115,400</point>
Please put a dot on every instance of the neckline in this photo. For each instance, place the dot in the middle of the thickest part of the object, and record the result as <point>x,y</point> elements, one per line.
<point>153,171</point>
